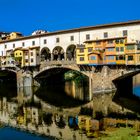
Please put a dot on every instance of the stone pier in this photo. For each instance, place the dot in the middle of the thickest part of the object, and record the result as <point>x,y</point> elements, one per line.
<point>24,79</point>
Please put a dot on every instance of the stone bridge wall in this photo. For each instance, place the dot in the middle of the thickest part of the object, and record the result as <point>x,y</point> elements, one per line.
<point>99,80</point>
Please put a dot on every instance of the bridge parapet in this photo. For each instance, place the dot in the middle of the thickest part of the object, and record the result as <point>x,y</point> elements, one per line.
<point>45,65</point>
<point>56,63</point>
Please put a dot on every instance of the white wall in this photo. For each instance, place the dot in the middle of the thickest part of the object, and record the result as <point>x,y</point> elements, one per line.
<point>79,37</point>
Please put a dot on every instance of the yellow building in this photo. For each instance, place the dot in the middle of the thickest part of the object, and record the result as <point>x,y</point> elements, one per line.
<point>14,35</point>
<point>120,50</point>
<point>82,54</point>
<point>18,55</point>
<point>91,53</point>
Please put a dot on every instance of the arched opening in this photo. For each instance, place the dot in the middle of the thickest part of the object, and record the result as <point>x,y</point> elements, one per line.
<point>63,87</point>
<point>8,83</point>
<point>58,53</point>
<point>45,54</point>
<point>71,52</point>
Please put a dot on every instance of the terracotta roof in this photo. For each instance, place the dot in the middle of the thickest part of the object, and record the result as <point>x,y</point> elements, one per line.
<point>117,24</point>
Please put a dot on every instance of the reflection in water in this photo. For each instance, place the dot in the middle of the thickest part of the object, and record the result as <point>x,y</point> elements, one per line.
<point>59,98</point>
<point>28,112</point>
<point>136,85</point>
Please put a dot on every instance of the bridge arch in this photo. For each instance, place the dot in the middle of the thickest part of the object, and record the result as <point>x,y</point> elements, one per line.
<point>74,82</point>
<point>69,67</point>
<point>58,53</point>
<point>45,54</point>
<point>71,52</point>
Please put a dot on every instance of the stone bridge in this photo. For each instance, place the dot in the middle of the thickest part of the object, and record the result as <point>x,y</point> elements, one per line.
<point>101,78</point>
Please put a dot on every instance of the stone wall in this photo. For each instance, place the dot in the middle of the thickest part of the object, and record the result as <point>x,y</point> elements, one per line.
<point>24,79</point>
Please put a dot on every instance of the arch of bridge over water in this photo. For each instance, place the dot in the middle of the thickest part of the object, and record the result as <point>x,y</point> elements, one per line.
<point>60,68</point>
<point>104,79</point>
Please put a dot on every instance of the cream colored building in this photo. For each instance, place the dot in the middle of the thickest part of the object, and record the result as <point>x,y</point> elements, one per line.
<point>67,40</point>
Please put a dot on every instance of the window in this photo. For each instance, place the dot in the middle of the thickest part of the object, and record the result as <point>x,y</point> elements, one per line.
<point>88,37</point>
<point>26,60</point>
<point>23,44</point>
<point>110,41</point>
<point>110,49</point>
<point>130,47</point>
<point>81,50</point>
<point>57,40</point>
<point>89,49</point>
<point>122,49</point>
<point>105,34</point>
<point>125,33</point>
<point>117,41</point>
<point>139,58</point>
<point>121,57</point>
<point>117,49</point>
<point>20,53</point>
<point>26,53</point>
<point>81,58</point>
<point>121,41</point>
<point>32,60</point>
<point>13,45</point>
<point>5,46</point>
<point>33,43</point>
<point>45,41</point>
<point>31,53</point>
<point>110,57</point>
<point>98,43</point>
<point>72,38</point>
<point>16,53</point>
<point>130,58</point>
<point>93,58</point>
<point>138,47</point>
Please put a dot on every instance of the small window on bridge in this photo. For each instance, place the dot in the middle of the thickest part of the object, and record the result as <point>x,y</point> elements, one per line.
<point>93,58</point>
<point>26,60</point>
<point>125,32</point>
<point>89,49</point>
<point>45,41</point>
<point>32,60</point>
<point>81,58</point>
<point>130,58</point>
<point>87,36</point>
<point>81,50</point>
<point>72,38</point>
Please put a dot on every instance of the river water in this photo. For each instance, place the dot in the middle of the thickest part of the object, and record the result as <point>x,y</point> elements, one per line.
<point>36,112</point>
<point>136,85</point>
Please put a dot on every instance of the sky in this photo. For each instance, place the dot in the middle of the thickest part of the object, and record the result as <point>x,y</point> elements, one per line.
<point>26,16</point>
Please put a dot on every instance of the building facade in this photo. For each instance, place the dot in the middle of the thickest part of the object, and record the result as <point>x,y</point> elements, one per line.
<point>116,43</point>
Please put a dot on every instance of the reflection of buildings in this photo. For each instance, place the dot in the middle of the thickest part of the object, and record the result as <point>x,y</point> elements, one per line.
<point>32,117</point>
<point>136,80</point>
<point>74,91</point>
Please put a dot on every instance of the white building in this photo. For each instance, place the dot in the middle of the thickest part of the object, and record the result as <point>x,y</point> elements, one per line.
<point>62,44</point>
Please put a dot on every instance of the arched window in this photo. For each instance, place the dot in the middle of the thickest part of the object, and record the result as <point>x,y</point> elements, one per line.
<point>71,52</point>
<point>45,54</point>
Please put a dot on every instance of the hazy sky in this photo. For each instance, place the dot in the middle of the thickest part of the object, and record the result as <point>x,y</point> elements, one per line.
<point>28,15</point>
